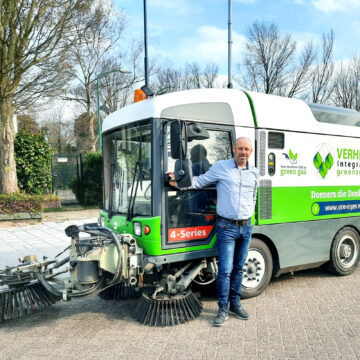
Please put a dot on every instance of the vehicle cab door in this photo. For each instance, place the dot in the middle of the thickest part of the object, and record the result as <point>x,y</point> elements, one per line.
<point>189,216</point>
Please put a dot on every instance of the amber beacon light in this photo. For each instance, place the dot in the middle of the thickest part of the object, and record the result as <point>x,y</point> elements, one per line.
<point>139,95</point>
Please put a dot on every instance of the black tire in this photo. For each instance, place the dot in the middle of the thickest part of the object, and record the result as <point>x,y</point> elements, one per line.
<point>344,253</point>
<point>257,270</point>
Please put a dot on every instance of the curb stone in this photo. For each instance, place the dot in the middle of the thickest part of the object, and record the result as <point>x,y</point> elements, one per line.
<point>20,216</point>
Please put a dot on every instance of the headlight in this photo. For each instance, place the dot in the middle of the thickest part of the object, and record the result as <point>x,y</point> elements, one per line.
<point>101,220</point>
<point>137,228</point>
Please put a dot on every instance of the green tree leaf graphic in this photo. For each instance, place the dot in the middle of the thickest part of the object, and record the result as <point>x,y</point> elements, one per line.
<point>295,157</point>
<point>317,160</point>
<point>291,155</point>
<point>323,170</point>
<point>329,161</point>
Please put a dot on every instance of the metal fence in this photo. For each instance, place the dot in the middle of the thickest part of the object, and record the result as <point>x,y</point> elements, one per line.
<point>65,168</point>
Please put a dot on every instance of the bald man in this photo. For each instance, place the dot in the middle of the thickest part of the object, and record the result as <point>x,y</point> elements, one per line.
<point>236,184</point>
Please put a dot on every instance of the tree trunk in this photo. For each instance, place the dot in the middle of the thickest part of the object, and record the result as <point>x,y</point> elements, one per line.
<point>92,135</point>
<point>8,178</point>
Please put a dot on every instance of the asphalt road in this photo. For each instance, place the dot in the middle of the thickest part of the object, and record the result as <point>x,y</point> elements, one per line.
<point>310,315</point>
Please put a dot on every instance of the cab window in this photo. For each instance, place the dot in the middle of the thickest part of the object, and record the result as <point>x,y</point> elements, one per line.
<point>191,214</point>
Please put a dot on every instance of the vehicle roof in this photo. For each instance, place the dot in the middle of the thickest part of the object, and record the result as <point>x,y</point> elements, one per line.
<point>205,105</point>
<point>281,113</point>
<point>231,106</point>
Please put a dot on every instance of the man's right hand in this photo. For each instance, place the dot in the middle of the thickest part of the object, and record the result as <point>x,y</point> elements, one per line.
<point>172,181</point>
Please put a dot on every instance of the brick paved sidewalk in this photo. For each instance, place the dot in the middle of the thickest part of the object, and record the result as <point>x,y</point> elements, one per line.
<point>47,238</point>
<point>312,315</point>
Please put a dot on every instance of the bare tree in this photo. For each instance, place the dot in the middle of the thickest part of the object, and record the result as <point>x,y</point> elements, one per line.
<point>271,62</point>
<point>346,85</point>
<point>58,131</point>
<point>267,58</point>
<point>27,122</point>
<point>81,132</point>
<point>116,88</point>
<point>169,78</point>
<point>356,72</point>
<point>321,87</point>
<point>35,37</point>
<point>192,76</point>
<point>105,27</point>
<point>209,75</point>
<point>299,78</point>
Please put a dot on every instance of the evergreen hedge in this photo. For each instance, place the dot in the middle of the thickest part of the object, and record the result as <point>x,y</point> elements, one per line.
<point>24,203</point>
<point>33,162</point>
<point>88,189</point>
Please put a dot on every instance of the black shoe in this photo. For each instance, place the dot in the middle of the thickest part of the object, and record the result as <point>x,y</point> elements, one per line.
<point>239,311</point>
<point>221,317</point>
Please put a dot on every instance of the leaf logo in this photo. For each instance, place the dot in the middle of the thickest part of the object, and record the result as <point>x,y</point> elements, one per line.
<point>323,160</point>
<point>293,157</point>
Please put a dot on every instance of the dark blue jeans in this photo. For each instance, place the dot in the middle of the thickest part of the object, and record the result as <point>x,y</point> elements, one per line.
<point>233,244</point>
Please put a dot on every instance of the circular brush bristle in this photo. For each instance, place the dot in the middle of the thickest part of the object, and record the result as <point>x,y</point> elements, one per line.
<point>120,291</point>
<point>17,302</point>
<point>167,310</point>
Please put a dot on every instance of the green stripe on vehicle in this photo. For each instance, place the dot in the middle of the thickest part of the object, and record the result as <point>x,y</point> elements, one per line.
<point>292,204</point>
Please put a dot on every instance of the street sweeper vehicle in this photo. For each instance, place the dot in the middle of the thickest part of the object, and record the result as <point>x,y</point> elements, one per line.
<point>155,242</point>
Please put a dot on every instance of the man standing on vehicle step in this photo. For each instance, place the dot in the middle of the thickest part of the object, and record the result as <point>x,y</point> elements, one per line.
<point>236,184</point>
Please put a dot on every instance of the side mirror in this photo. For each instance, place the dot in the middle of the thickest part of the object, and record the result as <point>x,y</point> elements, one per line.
<point>178,140</point>
<point>196,132</point>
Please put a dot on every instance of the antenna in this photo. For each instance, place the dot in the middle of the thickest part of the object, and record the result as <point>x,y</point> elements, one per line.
<point>146,89</point>
<point>230,85</point>
<point>146,47</point>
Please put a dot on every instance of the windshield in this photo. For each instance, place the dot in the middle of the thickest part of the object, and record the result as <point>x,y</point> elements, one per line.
<point>127,170</point>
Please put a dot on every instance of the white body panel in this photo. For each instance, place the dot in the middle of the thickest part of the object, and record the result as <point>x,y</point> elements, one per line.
<point>280,113</point>
<point>302,171</point>
<point>152,108</point>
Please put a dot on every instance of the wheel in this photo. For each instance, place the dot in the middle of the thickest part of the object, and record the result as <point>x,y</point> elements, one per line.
<point>257,270</point>
<point>344,253</point>
<point>205,284</point>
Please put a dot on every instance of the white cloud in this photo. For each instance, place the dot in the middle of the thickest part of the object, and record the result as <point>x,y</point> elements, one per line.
<point>328,6</point>
<point>210,44</point>
<point>303,38</point>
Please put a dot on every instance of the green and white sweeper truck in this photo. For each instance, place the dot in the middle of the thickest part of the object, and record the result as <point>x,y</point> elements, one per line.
<point>155,242</point>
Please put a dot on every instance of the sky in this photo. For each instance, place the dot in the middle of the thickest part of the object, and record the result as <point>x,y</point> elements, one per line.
<point>186,31</point>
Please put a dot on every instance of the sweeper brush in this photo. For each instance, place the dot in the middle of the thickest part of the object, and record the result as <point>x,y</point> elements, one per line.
<point>101,262</point>
<point>167,310</point>
<point>97,261</point>
<point>122,291</point>
<point>17,302</point>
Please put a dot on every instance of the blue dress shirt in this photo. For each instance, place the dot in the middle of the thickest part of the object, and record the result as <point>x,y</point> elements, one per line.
<point>236,188</point>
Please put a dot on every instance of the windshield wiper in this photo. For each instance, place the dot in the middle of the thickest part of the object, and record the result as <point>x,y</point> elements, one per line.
<point>112,175</point>
<point>138,176</point>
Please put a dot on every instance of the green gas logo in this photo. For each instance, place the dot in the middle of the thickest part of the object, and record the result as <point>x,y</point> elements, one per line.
<point>291,157</point>
<point>323,160</point>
